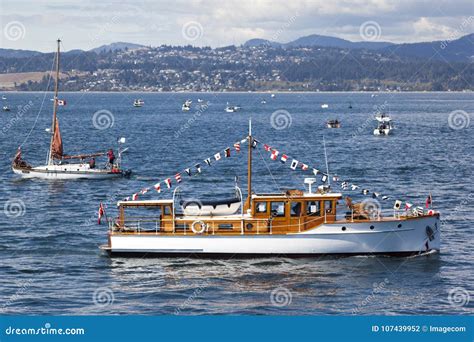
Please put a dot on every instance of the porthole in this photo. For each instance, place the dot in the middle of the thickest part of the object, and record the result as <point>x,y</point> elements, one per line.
<point>399,225</point>
<point>249,226</point>
<point>343,228</point>
<point>372,227</point>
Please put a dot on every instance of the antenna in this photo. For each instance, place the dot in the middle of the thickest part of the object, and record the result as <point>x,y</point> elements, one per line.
<point>326,159</point>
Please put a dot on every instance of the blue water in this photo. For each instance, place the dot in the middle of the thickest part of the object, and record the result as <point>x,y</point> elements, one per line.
<point>51,264</point>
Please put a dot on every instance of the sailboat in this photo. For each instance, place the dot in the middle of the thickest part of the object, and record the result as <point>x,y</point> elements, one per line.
<point>59,165</point>
<point>288,223</point>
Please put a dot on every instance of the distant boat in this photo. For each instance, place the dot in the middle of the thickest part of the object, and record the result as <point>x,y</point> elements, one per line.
<point>186,105</point>
<point>350,105</point>
<point>333,124</point>
<point>231,109</point>
<point>385,125</point>
<point>138,103</point>
<point>324,105</point>
<point>273,95</point>
<point>200,100</point>
<point>6,108</point>
<point>263,101</point>
<point>4,97</point>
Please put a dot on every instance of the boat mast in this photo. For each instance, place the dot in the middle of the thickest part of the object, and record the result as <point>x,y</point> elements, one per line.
<point>55,106</point>
<point>249,161</point>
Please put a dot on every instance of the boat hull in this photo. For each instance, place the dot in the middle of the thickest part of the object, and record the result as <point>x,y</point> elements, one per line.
<point>80,171</point>
<point>341,238</point>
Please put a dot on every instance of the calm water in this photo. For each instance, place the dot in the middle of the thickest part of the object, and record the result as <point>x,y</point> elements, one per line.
<point>51,264</point>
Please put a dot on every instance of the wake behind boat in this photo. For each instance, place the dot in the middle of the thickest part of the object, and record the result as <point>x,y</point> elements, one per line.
<point>62,166</point>
<point>287,223</point>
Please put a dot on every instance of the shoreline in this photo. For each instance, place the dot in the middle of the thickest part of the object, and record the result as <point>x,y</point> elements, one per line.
<point>248,92</point>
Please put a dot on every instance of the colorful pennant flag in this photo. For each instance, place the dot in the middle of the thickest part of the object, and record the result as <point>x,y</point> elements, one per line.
<point>294,164</point>
<point>188,171</point>
<point>284,158</point>
<point>354,187</point>
<point>237,146</point>
<point>397,205</point>
<point>227,152</point>
<point>168,182</point>
<point>198,167</point>
<point>134,197</point>
<point>365,191</point>
<point>335,178</point>
<point>178,177</point>
<point>157,187</point>
<point>429,200</point>
<point>304,167</point>
<point>217,156</point>
<point>315,171</point>
<point>408,205</point>
<point>207,161</point>
<point>324,178</point>
<point>144,191</point>
<point>267,148</point>
<point>274,154</point>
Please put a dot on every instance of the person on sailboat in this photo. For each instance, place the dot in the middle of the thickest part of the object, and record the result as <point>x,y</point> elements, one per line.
<point>92,163</point>
<point>111,156</point>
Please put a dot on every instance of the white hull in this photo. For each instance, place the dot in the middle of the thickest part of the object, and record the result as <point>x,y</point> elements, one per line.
<point>385,131</point>
<point>357,238</point>
<point>68,171</point>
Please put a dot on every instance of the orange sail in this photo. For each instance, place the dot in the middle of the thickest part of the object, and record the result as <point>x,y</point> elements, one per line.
<point>57,144</point>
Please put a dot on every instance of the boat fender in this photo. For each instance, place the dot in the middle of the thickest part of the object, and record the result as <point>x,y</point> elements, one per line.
<point>430,233</point>
<point>201,229</point>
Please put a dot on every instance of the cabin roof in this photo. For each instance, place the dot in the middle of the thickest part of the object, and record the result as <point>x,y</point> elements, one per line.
<point>305,195</point>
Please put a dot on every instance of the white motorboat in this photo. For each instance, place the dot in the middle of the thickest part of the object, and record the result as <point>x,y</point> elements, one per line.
<point>232,109</point>
<point>62,166</point>
<point>385,125</point>
<point>138,103</point>
<point>324,106</point>
<point>333,124</point>
<point>186,105</point>
<point>289,223</point>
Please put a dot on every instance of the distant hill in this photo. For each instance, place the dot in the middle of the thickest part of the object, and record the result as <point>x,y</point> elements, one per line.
<point>117,46</point>
<point>10,53</point>
<point>461,49</point>
<point>318,40</point>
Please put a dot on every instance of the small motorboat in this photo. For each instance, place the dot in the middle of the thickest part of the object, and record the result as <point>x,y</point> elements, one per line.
<point>186,105</point>
<point>333,123</point>
<point>200,100</point>
<point>273,95</point>
<point>232,109</point>
<point>4,97</point>
<point>263,101</point>
<point>385,125</point>
<point>324,106</point>
<point>138,103</point>
<point>6,108</point>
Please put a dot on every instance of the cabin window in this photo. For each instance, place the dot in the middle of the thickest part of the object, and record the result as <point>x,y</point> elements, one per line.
<point>313,208</point>
<point>261,207</point>
<point>328,207</point>
<point>278,209</point>
<point>226,226</point>
<point>295,209</point>
<point>167,210</point>
<point>182,226</point>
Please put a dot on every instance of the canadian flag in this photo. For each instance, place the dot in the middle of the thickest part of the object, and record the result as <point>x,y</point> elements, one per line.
<point>178,177</point>
<point>134,197</point>
<point>237,146</point>
<point>100,213</point>
<point>157,187</point>
<point>168,182</point>
<point>267,148</point>
<point>274,154</point>
<point>61,102</point>
<point>284,158</point>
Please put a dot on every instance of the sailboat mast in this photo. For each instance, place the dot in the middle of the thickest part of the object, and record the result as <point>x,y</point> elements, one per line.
<point>249,161</point>
<point>55,105</point>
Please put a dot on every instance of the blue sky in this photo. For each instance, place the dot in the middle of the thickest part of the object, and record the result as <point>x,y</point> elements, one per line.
<point>34,25</point>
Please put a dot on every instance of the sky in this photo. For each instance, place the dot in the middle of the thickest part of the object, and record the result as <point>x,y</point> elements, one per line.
<point>35,24</point>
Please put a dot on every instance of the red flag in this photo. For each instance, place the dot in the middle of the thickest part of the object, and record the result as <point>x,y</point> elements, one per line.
<point>267,148</point>
<point>429,200</point>
<point>134,197</point>
<point>274,154</point>
<point>157,187</point>
<point>178,177</point>
<point>100,213</point>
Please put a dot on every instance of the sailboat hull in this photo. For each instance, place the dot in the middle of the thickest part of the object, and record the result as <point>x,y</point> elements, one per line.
<point>68,171</point>
<point>343,238</point>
